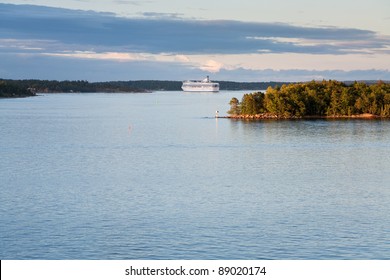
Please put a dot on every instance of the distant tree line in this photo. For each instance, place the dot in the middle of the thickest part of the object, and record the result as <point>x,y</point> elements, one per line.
<point>154,85</point>
<point>225,85</point>
<point>325,98</point>
<point>15,88</point>
<point>8,90</point>
<point>53,86</point>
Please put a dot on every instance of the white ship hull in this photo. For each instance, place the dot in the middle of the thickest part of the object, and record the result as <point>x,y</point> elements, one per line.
<point>200,86</point>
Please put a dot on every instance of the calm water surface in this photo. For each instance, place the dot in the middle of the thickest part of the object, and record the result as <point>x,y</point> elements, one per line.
<point>156,176</point>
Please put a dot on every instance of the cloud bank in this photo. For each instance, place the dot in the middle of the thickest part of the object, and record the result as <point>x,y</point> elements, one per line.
<point>163,35</point>
<point>54,33</point>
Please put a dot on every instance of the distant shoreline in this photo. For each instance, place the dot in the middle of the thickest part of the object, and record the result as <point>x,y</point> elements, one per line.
<point>133,86</point>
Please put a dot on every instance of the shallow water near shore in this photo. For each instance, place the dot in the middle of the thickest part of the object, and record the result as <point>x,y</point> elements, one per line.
<point>156,176</point>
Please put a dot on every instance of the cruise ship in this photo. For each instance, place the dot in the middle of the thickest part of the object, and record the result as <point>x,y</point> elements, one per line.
<point>204,85</point>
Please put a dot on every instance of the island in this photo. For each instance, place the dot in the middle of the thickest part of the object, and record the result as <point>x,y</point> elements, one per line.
<point>24,88</point>
<point>12,90</point>
<point>315,99</point>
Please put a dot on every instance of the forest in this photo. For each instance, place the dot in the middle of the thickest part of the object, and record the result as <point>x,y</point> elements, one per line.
<point>315,99</point>
<point>18,88</point>
<point>11,88</point>
<point>8,90</point>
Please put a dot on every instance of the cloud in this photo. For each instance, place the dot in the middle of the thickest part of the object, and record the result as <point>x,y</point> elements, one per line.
<point>162,15</point>
<point>114,56</point>
<point>130,2</point>
<point>182,58</point>
<point>74,68</point>
<point>24,66</point>
<point>211,66</point>
<point>82,30</point>
<point>74,44</point>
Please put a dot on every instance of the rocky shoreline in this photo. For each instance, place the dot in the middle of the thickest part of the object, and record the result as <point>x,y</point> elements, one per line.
<point>269,116</point>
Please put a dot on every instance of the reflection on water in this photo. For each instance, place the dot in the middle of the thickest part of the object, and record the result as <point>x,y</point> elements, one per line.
<point>156,176</point>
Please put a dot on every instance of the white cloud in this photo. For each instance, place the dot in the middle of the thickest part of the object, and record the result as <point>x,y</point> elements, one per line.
<point>285,61</point>
<point>211,66</point>
<point>23,44</point>
<point>182,58</point>
<point>114,56</point>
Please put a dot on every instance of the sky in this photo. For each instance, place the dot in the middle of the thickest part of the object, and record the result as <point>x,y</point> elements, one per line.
<point>246,40</point>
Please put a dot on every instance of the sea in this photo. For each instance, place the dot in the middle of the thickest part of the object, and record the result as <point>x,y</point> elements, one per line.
<point>155,176</point>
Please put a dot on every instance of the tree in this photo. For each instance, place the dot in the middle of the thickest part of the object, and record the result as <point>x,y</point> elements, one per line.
<point>234,107</point>
<point>325,98</point>
<point>252,103</point>
<point>11,89</point>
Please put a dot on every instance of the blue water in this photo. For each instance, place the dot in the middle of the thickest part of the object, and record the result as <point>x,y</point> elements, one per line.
<point>156,176</point>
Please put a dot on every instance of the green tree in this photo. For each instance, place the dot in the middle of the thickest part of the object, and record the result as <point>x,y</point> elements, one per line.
<point>234,107</point>
<point>324,98</point>
<point>252,103</point>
